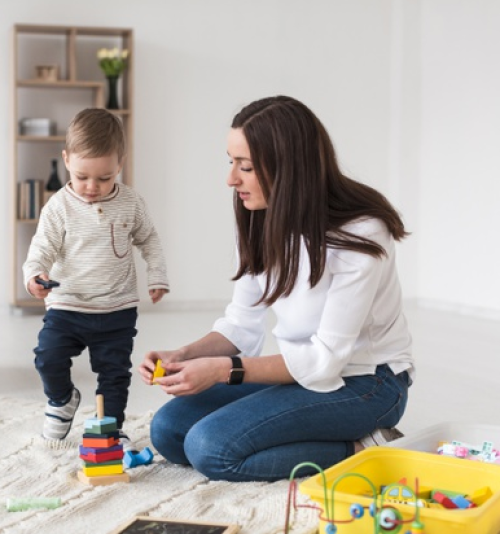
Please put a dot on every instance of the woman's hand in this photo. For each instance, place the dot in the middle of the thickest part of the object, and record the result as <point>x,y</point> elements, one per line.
<point>148,365</point>
<point>193,376</point>
<point>213,346</point>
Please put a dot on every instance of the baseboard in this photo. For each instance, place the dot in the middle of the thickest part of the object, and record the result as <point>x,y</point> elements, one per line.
<point>453,307</point>
<point>193,306</point>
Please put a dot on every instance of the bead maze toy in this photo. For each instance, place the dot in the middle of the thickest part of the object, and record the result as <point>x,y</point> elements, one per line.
<point>367,493</point>
<point>385,516</point>
<point>101,451</point>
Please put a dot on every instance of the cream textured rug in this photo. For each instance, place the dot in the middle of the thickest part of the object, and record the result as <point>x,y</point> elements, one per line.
<point>29,468</point>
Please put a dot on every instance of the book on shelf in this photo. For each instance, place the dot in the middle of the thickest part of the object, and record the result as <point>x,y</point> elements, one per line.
<point>30,197</point>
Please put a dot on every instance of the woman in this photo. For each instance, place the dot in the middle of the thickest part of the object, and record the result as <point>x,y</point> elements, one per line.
<point>319,249</point>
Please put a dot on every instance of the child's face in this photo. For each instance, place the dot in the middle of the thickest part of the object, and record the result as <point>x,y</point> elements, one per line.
<point>92,178</point>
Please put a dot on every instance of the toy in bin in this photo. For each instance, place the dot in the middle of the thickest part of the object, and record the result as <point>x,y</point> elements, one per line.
<point>479,453</point>
<point>367,493</point>
<point>101,450</point>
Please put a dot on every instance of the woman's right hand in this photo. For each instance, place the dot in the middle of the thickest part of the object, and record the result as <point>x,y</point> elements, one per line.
<point>148,365</point>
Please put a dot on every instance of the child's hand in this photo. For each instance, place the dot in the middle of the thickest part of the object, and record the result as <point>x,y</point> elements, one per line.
<point>37,290</point>
<point>156,294</point>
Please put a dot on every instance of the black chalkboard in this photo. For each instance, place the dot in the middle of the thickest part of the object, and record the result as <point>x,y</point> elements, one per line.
<point>161,525</point>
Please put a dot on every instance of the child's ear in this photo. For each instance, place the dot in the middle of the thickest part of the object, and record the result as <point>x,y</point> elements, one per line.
<point>65,157</point>
<point>120,164</point>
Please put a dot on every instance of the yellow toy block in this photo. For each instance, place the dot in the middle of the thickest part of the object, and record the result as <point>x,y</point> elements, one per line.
<point>480,495</point>
<point>424,492</point>
<point>103,481</point>
<point>102,470</point>
<point>159,371</point>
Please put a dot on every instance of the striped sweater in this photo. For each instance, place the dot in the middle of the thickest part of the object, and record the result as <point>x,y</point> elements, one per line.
<point>88,248</point>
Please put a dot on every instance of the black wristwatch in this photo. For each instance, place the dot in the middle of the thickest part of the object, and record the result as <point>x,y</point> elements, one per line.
<point>237,373</point>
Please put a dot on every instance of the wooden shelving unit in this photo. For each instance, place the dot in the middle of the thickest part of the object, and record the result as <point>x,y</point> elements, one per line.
<point>80,83</point>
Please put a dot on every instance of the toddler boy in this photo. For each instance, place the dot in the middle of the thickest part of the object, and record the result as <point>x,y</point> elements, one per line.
<point>84,240</point>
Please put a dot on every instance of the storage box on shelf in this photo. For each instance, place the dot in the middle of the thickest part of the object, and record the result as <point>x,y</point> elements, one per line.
<point>55,75</point>
<point>37,127</point>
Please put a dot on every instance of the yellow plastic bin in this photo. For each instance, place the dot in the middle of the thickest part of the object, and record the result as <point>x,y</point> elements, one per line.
<point>384,466</point>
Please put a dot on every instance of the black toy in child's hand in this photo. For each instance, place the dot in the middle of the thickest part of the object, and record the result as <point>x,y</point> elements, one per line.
<point>47,284</point>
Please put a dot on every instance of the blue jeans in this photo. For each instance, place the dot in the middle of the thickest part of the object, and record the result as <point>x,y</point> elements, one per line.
<point>255,432</point>
<point>109,338</point>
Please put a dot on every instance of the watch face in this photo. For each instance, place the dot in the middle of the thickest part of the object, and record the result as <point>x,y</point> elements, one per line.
<point>236,377</point>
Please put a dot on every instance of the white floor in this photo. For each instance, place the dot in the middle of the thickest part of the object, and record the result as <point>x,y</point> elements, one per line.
<point>458,363</point>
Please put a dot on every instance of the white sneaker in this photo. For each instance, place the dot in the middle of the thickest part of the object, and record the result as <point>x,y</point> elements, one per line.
<point>127,444</point>
<point>380,437</point>
<point>58,419</point>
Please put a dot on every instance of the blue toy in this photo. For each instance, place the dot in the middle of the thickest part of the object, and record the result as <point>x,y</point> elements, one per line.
<point>131,459</point>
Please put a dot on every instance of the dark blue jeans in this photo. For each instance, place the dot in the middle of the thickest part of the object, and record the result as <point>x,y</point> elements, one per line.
<point>257,432</point>
<point>109,339</point>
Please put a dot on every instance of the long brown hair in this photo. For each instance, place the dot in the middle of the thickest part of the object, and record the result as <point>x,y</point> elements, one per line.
<point>307,197</point>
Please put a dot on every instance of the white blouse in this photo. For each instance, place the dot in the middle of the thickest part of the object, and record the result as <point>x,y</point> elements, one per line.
<point>349,323</point>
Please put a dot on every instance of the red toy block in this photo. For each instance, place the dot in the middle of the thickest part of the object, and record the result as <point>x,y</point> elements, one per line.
<point>443,500</point>
<point>99,443</point>
<point>98,456</point>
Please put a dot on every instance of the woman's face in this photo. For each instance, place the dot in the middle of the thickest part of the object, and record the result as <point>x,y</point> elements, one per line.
<point>242,175</point>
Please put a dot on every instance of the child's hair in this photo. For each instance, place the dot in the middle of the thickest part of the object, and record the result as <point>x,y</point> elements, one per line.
<point>95,132</point>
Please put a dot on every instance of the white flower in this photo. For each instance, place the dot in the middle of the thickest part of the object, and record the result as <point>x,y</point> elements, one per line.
<point>112,61</point>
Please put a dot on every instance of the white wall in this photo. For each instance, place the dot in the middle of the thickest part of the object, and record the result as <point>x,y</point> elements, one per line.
<point>387,78</point>
<point>459,261</point>
<point>405,133</point>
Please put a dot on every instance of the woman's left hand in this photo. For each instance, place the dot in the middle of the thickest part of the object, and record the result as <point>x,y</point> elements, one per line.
<point>193,376</point>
